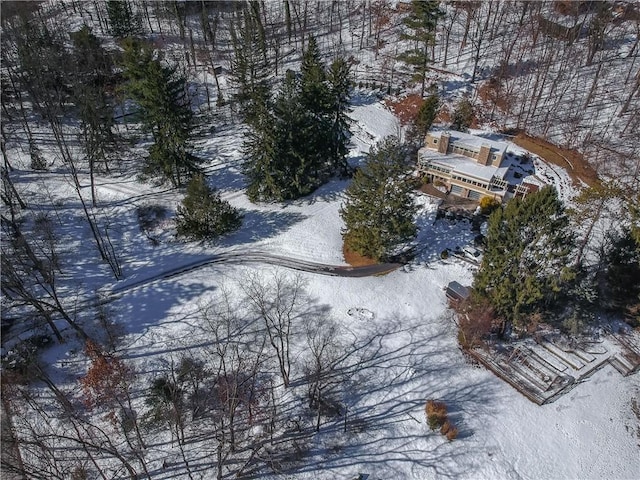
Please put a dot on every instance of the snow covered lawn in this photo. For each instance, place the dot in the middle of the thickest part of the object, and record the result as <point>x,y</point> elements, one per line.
<point>396,326</point>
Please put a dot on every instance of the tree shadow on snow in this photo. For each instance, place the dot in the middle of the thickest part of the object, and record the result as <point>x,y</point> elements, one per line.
<point>260,225</point>
<point>390,373</point>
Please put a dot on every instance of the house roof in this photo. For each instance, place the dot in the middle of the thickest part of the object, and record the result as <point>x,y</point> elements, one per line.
<point>464,166</point>
<point>472,141</point>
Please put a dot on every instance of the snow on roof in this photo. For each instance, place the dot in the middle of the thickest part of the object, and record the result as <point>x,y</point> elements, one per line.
<point>472,141</point>
<point>462,165</point>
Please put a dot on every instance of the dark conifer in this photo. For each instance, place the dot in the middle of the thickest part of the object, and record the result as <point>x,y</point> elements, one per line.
<point>421,26</point>
<point>166,113</point>
<point>424,119</point>
<point>93,71</point>
<point>203,214</point>
<point>526,264</point>
<point>123,22</point>
<point>379,209</point>
<point>315,98</point>
<point>463,116</point>
<point>339,86</point>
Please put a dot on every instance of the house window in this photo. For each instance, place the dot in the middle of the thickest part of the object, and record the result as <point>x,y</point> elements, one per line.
<point>435,140</point>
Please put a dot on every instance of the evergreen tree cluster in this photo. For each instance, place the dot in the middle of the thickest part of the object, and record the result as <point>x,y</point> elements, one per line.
<point>620,280</point>
<point>379,209</point>
<point>166,112</point>
<point>526,265</point>
<point>299,138</point>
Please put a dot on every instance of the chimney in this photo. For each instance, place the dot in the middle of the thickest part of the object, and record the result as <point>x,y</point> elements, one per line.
<point>483,158</point>
<point>443,146</point>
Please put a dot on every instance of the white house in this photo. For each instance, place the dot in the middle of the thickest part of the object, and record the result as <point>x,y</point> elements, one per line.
<point>472,167</point>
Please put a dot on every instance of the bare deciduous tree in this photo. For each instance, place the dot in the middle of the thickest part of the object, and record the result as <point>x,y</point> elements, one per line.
<point>278,301</point>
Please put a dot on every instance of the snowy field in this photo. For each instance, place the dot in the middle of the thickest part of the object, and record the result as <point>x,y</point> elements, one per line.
<point>398,324</point>
<point>397,330</point>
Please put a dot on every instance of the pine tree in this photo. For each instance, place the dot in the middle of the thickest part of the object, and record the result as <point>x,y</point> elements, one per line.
<point>339,85</point>
<point>249,67</point>
<point>421,23</point>
<point>316,100</point>
<point>93,73</point>
<point>424,118</point>
<point>620,287</point>
<point>379,208</point>
<point>297,167</point>
<point>463,116</point>
<point>260,148</point>
<point>123,22</point>
<point>203,214</point>
<point>525,269</point>
<point>166,113</point>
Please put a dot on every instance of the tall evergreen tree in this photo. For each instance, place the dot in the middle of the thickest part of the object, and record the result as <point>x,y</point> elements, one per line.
<point>249,67</point>
<point>42,62</point>
<point>339,86</point>
<point>379,208</point>
<point>463,115</point>
<point>315,98</point>
<point>526,265</point>
<point>421,25</point>
<point>424,118</point>
<point>297,151</point>
<point>203,214</point>
<point>166,112</point>
<point>123,22</point>
<point>93,71</point>
<point>620,284</point>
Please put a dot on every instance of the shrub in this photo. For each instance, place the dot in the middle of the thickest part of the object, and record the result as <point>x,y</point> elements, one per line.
<point>203,214</point>
<point>38,162</point>
<point>452,433</point>
<point>437,419</point>
<point>476,320</point>
<point>436,414</point>
<point>444,254</point>
<point>488,205</point>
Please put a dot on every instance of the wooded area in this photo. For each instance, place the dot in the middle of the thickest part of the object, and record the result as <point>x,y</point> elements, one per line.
<point>96,89</point>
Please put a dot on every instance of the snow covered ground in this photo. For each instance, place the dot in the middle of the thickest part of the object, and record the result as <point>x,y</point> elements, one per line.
<point>400,325</point>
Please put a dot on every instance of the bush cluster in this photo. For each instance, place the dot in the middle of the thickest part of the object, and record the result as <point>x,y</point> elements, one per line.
<point>437,419</point>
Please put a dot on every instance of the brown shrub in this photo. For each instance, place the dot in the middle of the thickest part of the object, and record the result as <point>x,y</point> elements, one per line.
<point>446,426</point>
<point>476,319</point>
<point>449,430</point>
<point>452,433</point>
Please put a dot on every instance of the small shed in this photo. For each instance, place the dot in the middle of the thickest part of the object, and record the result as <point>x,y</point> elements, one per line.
<point>457,292</point>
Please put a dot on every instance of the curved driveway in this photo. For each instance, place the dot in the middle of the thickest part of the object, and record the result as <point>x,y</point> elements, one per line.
<point>269,259</point>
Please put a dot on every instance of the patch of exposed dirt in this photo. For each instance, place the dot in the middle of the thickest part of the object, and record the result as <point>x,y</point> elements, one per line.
<point>489,92</point>
<point>355,259</point>
<point>405,108</point>
<point>572,160</point>
<point>444,116</point>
